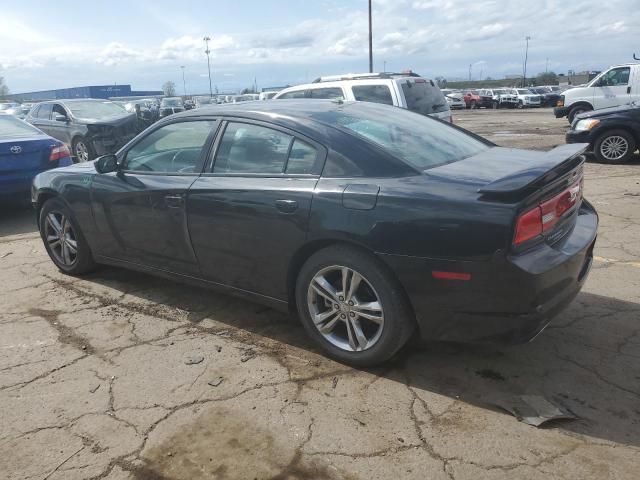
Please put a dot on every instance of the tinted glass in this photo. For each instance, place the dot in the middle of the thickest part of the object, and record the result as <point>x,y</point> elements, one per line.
<point>249,148</point>
<point>59,109</point>
<point>616,76</point>
<point>294,94</point>
<point>373,93</point>
<point>418,140</point>
<point>302,158</point>
<point>11,127</point>
<point>174,148</point>
<point>44,112</point>
<point>326,93</point>
<point>422,97</point>
<point>95,109</point>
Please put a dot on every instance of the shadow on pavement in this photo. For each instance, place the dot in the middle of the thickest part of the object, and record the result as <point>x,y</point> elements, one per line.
<point>587,361</point>
<point>17,218</point>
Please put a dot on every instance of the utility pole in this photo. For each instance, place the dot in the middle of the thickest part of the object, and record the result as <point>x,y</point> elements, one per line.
<point>546,69</point>
<point>384,68</point>
<point>184,84</point>
<point>470,72</point>
<point>370,41</point>
<point>526,56</point>
<point>207,51</point>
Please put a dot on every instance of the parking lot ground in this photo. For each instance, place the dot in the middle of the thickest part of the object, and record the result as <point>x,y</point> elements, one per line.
<point>119,375</point>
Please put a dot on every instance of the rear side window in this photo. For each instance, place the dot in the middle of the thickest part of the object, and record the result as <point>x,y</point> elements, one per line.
<point>302,158</point>
<point>44,112</point>
<point>247,148</point>
<point>422,97</point>
<point>294,94</point>
<point>372,93</point>
<point>326,93</point>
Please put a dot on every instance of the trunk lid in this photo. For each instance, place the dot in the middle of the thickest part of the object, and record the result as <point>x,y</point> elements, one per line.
<point>25,154</point>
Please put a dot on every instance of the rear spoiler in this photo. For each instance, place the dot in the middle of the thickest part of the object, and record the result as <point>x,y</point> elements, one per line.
<point>554,164</point>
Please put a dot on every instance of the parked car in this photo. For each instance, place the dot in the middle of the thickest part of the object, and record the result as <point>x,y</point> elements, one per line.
<point>12,108</point>
<point>26,151</point>
<point>613,134</point>
<point>526,98</point>
<point>370,220</point>
<point>246,97</point>
<point>619,85</point>
<point>170,105</point>
<point>454,99</point>
<point>404,90</point>
<point>548,97</point>
<point>500,97</point>
<point>88,127</point>
<point>189,104</point>
<point>474,99</point>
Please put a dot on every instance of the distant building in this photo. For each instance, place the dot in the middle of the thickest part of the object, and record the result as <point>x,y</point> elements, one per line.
<point>92,91</point>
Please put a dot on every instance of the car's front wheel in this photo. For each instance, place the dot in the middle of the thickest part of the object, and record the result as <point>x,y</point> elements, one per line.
<point>615,146</point>
<point>82,150</point>
<point>520,104</point>
<point>63,239</point>
<point>352,307</point>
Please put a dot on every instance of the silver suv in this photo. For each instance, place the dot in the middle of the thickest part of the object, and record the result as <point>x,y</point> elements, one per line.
<point>404,90</point>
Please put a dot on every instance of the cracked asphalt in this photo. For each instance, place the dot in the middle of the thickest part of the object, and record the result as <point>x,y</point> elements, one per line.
<point>119,375</point>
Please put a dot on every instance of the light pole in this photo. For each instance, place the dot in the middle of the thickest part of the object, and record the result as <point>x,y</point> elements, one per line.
<point>184,84</point>
<point>207,51</point>
<point>370,41</point>
<point>384,68</point>
<point>526,56</point>
<point>470,71</point>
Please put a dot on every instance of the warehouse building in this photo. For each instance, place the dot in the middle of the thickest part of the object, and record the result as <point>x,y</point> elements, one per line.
<point>93,91</point>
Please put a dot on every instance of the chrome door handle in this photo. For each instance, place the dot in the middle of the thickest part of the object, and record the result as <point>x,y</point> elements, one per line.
<point>173,201</point>
<point>287,206</point>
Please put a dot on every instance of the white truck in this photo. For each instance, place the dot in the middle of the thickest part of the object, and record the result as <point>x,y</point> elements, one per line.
<point>619,85</point>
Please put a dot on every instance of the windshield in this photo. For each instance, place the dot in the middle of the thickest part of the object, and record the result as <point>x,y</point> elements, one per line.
<point>522,91</point>
<point>171,102</point>
<point>95,109</point>
<point>421,141</point>
<point>11,127</point>
<point>423,97</point>
<point>500,92</point>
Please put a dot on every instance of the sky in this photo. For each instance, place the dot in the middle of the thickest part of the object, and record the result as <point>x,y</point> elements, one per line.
<point>64,43</point>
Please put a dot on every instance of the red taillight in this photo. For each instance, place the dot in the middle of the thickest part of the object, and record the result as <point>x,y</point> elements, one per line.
<point>439,275</point>
<point>544,217</point>
<point>59,152</point>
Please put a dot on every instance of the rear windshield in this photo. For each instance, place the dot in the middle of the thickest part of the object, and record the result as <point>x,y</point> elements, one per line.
<point>423,97</point>
<point>95,109</point>
<point>421,141</point>
<point>11,127</point>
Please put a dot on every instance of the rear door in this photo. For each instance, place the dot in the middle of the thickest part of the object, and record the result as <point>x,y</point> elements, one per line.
<point>140,211</point>
<point>42,118</point>
<point>248,213</point>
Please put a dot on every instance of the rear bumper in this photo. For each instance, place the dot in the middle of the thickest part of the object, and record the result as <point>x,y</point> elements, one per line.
<point>16,183</point>
<point>560,112</point>
<point>508,299</point>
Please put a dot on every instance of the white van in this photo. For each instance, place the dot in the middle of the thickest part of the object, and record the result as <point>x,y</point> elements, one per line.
<point>404,90</point>
<point>619,85</point>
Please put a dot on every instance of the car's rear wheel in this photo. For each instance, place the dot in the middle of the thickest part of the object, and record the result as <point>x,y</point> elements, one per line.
<point>520,104</point>
<point>82,150</point>
<point>63,239</point>
<point>495,105</point>
<point>615,146</point>
<point>352,307</point>
<point>474,105</point>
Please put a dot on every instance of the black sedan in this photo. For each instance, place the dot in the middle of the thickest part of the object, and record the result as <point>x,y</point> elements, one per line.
<point>613,134</point>
<point>371,221</point>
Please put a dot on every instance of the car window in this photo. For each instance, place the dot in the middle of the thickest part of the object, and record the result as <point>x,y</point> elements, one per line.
<point>326,93</point>
<point>302,158</point>
<point>57,108</point>
<point>372,93</point>
<point>615,77</point>
<point>423,97</point>
<point>174,148</point>
<point>247,148</point>
<point>293,94</point>
<point>44,112</point>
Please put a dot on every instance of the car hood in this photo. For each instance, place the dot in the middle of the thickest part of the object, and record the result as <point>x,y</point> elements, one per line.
<point>80,168</point>
<point>114,121</point>
<point>603,112</point>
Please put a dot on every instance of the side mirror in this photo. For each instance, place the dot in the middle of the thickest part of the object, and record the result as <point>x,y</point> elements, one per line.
<point>58,117</point>
<point>107,164</point>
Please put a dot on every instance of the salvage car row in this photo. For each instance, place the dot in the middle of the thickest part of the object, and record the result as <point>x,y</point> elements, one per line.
<point>546,96</point>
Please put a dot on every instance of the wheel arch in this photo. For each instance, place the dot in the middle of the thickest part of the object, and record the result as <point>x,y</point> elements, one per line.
<point>581,103</point>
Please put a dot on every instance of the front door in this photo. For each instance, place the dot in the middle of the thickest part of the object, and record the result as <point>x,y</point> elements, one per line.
<point>248,214</point>
<point>613,88</point>
<point>140,211</point>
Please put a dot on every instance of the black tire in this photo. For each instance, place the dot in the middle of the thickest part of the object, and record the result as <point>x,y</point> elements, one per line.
<point>520,104</point>
<point>577,110</point>
<point>82,150</point>
<point>399,321</point>
<point>473,105</point>
<point>495,105</point>
<point>604,154</point>
<point>83,260</point>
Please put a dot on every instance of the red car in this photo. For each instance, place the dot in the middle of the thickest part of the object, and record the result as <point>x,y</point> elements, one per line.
<point>473,99</point>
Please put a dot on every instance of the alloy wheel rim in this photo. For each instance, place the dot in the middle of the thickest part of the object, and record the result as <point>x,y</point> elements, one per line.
<point>61,238</point>
<point>614,147</point>
<point>345,308</point>
<point>82,153</point>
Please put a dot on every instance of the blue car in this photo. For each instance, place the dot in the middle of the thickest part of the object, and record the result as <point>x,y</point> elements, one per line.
<point>26,151</point>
